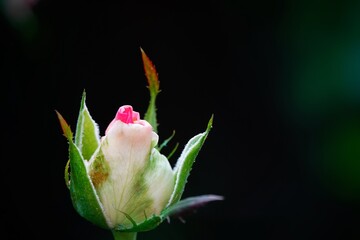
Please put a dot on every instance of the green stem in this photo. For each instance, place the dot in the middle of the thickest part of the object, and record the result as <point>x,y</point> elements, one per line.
<point>124,235</point>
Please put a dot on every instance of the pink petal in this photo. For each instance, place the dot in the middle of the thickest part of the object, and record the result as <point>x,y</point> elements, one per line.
<point>126,114</point>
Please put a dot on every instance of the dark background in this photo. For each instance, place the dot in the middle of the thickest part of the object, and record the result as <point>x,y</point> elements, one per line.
<point>282,79</point>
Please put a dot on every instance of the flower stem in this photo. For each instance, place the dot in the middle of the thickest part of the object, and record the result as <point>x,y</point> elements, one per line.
<point>124,235</point>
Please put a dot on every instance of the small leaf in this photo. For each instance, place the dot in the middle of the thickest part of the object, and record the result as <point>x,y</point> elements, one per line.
<point>190,204</point>
<point>184,163</point>
<point>87,137</point>
<point>154,88</point>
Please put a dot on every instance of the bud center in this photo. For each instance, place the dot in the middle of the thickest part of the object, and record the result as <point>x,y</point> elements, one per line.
<point>127,115</point>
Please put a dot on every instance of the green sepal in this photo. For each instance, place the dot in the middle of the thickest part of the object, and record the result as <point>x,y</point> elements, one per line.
<point>184,163</point>
<point>82,191</point>
<point>87,137</point>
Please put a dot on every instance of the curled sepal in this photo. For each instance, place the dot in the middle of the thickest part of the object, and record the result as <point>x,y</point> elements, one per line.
<point>87,137</point>
<point>188,205</point>
<point>184,163</point>
<point>165,142</point>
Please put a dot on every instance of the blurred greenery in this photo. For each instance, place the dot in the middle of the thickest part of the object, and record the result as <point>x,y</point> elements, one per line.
<point>325,89</point>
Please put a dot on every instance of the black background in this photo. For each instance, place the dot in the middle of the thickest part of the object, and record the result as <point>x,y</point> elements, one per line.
<point>234,59</point>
